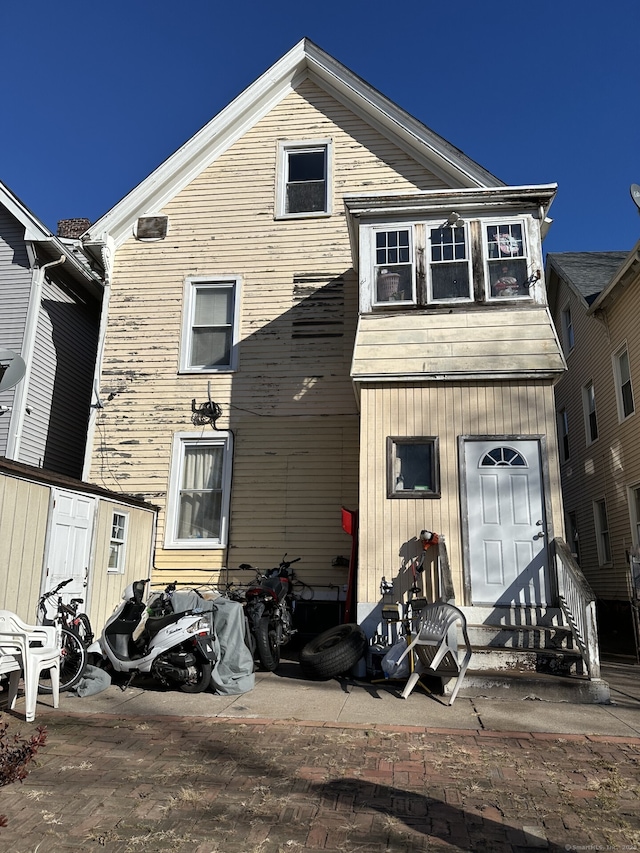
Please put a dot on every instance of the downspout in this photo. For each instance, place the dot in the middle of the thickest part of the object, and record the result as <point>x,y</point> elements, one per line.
<point>28,346</point>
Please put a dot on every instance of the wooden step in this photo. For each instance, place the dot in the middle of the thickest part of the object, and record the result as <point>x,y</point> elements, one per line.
<point>533,660</point>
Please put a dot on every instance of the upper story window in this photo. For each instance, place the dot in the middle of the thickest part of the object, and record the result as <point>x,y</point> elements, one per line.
<point>624,391</point>
<point>603,539</point>
<point>210,330</point>
<point>589,403</point>
<point>449,276</point>
<point>304,186</point>
<point>567,330</point>
<point>563,434</point>
<point>507,262</point>
<point>432,263</point>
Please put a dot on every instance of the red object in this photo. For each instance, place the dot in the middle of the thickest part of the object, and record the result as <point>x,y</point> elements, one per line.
<point>350,526</point>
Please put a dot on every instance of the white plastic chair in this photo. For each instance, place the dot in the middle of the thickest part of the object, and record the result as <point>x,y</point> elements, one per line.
<point>34,649</point>
<point>436,646</point>
<point>11,665</point>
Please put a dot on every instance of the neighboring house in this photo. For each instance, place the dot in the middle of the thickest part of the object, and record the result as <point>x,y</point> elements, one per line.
<point>53,526</point>
<point>595,300</point>
<point>358,312</point>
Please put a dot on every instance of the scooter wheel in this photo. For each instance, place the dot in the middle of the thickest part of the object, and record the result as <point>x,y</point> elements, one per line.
<point>201,682</point>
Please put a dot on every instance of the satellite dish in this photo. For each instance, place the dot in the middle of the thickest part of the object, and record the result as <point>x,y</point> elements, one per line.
<point>12,369</point>
<point>635,194</point>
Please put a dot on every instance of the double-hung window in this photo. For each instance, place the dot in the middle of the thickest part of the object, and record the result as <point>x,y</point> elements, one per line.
<point>624,391</point>
<point>507,261</point>
<point>304,186</point>
<point>449,276</point>
<point>603,540</point>
<point>210,329</point>
<point>567,330</point>
<point>199,491</point>
<point>563,434</point>
<point>118,542</point>
<point>394,273</point>
<point>589,403</point>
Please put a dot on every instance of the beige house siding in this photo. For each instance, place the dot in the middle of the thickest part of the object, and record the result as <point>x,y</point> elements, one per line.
<point>610,465</point>
<point>24,510</point>
<point>446,411</point>
<point>287,385</point>
<point>488,341</point>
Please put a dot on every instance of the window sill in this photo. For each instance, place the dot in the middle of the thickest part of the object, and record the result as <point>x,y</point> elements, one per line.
<point>197,371</point>
<point>419,494</point>
<point>315,214</point>
<point>194,545</point>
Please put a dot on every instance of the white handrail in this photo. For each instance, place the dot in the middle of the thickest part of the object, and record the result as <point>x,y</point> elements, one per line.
<point>578,604</point>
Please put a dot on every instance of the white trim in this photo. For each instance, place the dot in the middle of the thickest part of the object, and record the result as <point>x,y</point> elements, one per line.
<point>285,146</point>
<point>181,440</point>
<point>617,381</point>
<point>192,283</point>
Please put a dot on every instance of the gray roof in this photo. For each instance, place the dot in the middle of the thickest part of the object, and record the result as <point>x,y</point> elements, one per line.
<point>588,272</point>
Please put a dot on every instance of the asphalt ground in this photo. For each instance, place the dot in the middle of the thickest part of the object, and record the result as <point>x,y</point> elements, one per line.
<point>336,767</point>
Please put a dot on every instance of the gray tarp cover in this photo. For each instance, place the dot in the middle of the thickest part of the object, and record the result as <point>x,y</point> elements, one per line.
<point>233,671</point>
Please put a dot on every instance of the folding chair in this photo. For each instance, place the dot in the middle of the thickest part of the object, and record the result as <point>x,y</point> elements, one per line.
<point>436,646</point>
<point>34,649</point>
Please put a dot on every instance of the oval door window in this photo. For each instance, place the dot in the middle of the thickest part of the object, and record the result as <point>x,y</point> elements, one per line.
<point>505,456</point>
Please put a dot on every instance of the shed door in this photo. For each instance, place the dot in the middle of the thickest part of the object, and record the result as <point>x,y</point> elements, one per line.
<point>69,548</point>
<point>506,527</point>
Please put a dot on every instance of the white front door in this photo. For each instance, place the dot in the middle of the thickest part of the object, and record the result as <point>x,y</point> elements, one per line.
<point>69,547</point>
<point>507,544</point>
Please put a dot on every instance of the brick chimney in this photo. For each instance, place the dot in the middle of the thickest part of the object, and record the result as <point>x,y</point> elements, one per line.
<point>73,228</point>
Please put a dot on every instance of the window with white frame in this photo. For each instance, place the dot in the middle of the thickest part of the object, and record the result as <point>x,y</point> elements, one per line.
<point>624,391</point>
<point>589,403</point>
<point>506,259</point>
<point>210,329</point>
<point>563,434</point>
<point>394,267</point>
<point>199,491</point>
<point>449,274</point>
<point>304,186</point>
<point>567,330</point>
<point>603,541</point>
<point>118,542</point>
<point>634,496</point>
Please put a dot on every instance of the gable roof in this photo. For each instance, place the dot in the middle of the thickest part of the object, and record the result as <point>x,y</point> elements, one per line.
<point>50,248</point>
<point>588,273</point>
<point>304,61</point>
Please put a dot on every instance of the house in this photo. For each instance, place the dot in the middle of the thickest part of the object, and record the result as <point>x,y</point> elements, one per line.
<point>52,525</point>
<point>595,299</point>
<point>317,303</point>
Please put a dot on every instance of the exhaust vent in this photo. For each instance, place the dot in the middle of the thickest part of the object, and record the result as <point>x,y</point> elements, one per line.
<point>151,227</point>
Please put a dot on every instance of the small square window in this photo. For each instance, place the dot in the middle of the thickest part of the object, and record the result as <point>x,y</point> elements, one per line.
<point>412,467</point>
<point>118,542</point>
<point>304,185</point>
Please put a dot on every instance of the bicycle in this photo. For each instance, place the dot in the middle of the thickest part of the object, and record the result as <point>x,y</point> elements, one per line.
<point>75,636</point>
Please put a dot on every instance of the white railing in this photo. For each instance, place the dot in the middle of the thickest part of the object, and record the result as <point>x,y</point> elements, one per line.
<point>578,604</point>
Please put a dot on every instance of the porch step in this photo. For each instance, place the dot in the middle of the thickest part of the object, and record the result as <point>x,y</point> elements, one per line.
<point>521,636</point>
<point>526,660</point>
<point>498,684</point>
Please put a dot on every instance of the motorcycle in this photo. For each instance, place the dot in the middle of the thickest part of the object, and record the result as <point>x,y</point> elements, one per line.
<point>269,606</point>
<point>175,648</point>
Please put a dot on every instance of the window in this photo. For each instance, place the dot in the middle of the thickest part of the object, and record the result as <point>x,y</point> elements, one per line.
<point>563,434</point>
<point>449,264</point>
<point>507,264</point>
<point>210,333</point>
<point>624,392</point>
<point>574,539</point>
<point>567,330</point>
<point>304,186</point>
<point>118,542</point>
<point>198,508</point>
<point>602,532</point>
<point>393,271</point>
<point>635,513</point>
<point>412,468</point>
<point>589,401</point>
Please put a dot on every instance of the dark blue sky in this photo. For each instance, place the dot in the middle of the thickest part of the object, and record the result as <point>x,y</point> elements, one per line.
<point>95,96</point>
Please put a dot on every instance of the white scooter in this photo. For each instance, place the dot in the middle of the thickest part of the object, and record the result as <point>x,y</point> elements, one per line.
<point>176,648</point>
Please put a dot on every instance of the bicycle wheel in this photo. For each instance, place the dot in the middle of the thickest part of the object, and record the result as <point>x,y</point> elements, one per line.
<point>82,626</point>
<point>73,661</point>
